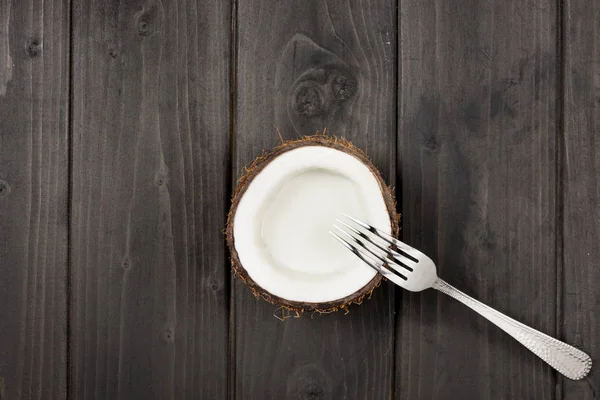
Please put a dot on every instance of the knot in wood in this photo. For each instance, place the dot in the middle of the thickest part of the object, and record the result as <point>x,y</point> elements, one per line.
<point>214,284</point>
<point>161,179</point>
<point>34,47</point>
<point>308,100</point>
<point>4,188</point>
<point>309,382</point>
<point>169,335</point>
<point>112,52</point>
<point>144,27</point>
<point>146,20</point>
<point>343,87</point>
<point>431,144</point>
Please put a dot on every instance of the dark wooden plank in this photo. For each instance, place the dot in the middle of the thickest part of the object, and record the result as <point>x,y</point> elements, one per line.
<point>581,185</point>
<point>333,356</point>
<point>34,79</point>
<point>478,149</point>
<point>151,124</point>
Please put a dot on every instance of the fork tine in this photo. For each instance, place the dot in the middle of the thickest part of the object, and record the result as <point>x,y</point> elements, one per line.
<point>361,244</point>
<point>408,251</point>
<point>357,252</point>
<point>386,263</point>
<point>389,252</point>
<point>394,277</point>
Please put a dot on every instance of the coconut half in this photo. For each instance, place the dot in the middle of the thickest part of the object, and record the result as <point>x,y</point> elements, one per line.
<point>283,209</point>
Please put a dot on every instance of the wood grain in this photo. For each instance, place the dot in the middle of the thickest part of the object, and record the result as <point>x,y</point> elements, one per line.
<point>477,151</point>
<point>34,78</point>
<point>581,185</point>
<point>304,66</point>
<point>498,176</point>
<point>151,122</point>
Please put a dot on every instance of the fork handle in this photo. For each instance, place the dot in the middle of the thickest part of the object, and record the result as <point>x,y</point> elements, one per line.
<point>569,361</point>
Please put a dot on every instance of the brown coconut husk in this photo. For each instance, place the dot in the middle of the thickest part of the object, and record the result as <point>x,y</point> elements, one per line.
<point>290,308</point>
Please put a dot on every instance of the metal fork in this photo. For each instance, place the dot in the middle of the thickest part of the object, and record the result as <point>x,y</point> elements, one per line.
<point>407,267</point>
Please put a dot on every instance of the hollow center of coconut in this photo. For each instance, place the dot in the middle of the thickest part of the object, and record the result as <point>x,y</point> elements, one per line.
<point>282,224</point>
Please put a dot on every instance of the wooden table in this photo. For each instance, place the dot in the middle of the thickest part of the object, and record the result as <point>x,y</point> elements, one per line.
<point>124,125</point>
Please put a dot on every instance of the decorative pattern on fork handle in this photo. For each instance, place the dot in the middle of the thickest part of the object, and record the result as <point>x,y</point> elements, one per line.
<point>566,359</point>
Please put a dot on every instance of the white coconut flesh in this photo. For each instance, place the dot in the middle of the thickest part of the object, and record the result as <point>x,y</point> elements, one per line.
<point>282,224</point>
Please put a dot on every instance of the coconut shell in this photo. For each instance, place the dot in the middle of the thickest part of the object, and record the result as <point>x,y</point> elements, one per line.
<point>253,170</point>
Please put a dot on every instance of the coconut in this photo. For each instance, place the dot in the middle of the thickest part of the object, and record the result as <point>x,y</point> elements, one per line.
<point>282,211</point>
